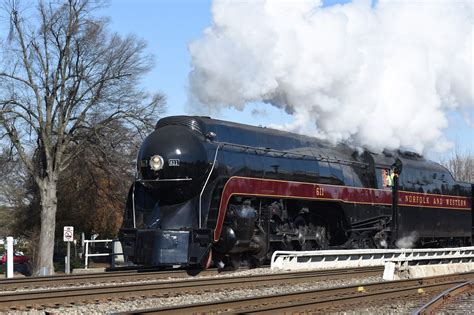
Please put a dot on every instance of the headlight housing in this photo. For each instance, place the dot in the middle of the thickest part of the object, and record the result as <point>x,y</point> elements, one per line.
<point>156,163</point>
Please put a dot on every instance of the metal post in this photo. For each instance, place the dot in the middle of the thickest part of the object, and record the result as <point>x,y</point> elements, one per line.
<point>396,169</point>
<point>10,262</point>
<point>86,254</point>
<point>133,205</point>
<point>112,263</point>
<point>395,212</point>
<point>75,249</point>
<point>81,254</point>
<point>68,258</point>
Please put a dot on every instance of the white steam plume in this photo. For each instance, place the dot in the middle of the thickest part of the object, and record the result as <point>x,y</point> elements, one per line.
<point>408,241</point>
<point>381,77</point>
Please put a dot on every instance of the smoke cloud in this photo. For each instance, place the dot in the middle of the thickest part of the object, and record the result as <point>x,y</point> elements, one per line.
<point>380,77</point>
<point>408,241</point>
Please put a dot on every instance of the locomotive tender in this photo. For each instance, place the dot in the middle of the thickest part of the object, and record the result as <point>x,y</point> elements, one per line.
<point>208,189</point>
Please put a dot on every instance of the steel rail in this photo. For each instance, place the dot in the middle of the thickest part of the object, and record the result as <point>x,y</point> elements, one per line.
<point>97,277</point>
<point>444,297</point>
<point>336,303</point>
<point>319,300</point>
<point>44,298</point>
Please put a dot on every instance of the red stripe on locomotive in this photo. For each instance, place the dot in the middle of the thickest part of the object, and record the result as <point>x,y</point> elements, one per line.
<point>288,189</point>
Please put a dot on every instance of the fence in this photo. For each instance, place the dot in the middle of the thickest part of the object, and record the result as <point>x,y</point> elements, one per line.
<point>329,259</point>
<point>114,253</point>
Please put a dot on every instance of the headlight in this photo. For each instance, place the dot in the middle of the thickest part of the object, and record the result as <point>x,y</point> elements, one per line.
<point>156,163</point>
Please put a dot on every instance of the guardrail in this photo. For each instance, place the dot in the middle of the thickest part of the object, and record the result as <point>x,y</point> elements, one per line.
<point>331,259</point>
<point>113,253</point>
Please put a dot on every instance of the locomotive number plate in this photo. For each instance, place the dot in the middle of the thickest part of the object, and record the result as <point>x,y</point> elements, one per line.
<point>173,162</point>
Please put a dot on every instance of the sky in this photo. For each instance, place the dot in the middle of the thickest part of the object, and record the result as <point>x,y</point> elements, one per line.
<point>170,26</point>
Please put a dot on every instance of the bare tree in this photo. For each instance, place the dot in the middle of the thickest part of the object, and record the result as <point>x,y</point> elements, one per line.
<point>461,165</point>
<point>60,69</point>
<point>13,191</point>
<point>13,178</point>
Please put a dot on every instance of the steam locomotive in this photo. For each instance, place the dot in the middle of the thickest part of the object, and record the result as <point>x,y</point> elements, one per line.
<point>210,190</point>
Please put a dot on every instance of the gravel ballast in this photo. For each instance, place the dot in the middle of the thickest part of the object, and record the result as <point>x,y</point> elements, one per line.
<point>145,303</point>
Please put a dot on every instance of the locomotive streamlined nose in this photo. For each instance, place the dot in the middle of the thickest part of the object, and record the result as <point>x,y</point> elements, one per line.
<point>162,213</point>
<point>173,156</point>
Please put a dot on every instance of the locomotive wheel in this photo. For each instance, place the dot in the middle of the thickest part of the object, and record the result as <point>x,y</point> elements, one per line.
<point>232,262</point>
<point>323,239</point>
<point>235,261</point>
<point>309,245</point>
<point>307,229</point>
<point>255,262</point>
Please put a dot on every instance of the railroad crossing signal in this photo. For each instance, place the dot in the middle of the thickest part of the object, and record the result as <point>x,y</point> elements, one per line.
<point>68,234</point>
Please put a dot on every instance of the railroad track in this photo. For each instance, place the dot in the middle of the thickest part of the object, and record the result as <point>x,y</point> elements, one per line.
<point>39,299</point>
<point>462,293</point>
<point>31,283</point>
<point>323,300</point>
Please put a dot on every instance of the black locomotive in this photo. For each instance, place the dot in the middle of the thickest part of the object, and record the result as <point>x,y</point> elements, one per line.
<point>208,190</point>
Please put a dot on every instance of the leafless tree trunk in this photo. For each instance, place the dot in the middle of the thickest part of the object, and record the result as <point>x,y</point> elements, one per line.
<point>49,203</point>
<point>59,69</point>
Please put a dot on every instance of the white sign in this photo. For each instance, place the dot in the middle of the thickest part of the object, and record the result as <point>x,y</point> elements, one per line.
<point>68,234</point>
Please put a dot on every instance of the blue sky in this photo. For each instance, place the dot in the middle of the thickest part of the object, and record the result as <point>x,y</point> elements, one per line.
<point>169,25</point>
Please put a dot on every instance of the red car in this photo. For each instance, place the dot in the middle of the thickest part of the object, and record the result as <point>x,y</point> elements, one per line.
<point>17,259</point>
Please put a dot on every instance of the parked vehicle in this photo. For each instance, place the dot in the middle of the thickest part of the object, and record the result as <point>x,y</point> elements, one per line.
<point>18,258</point>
